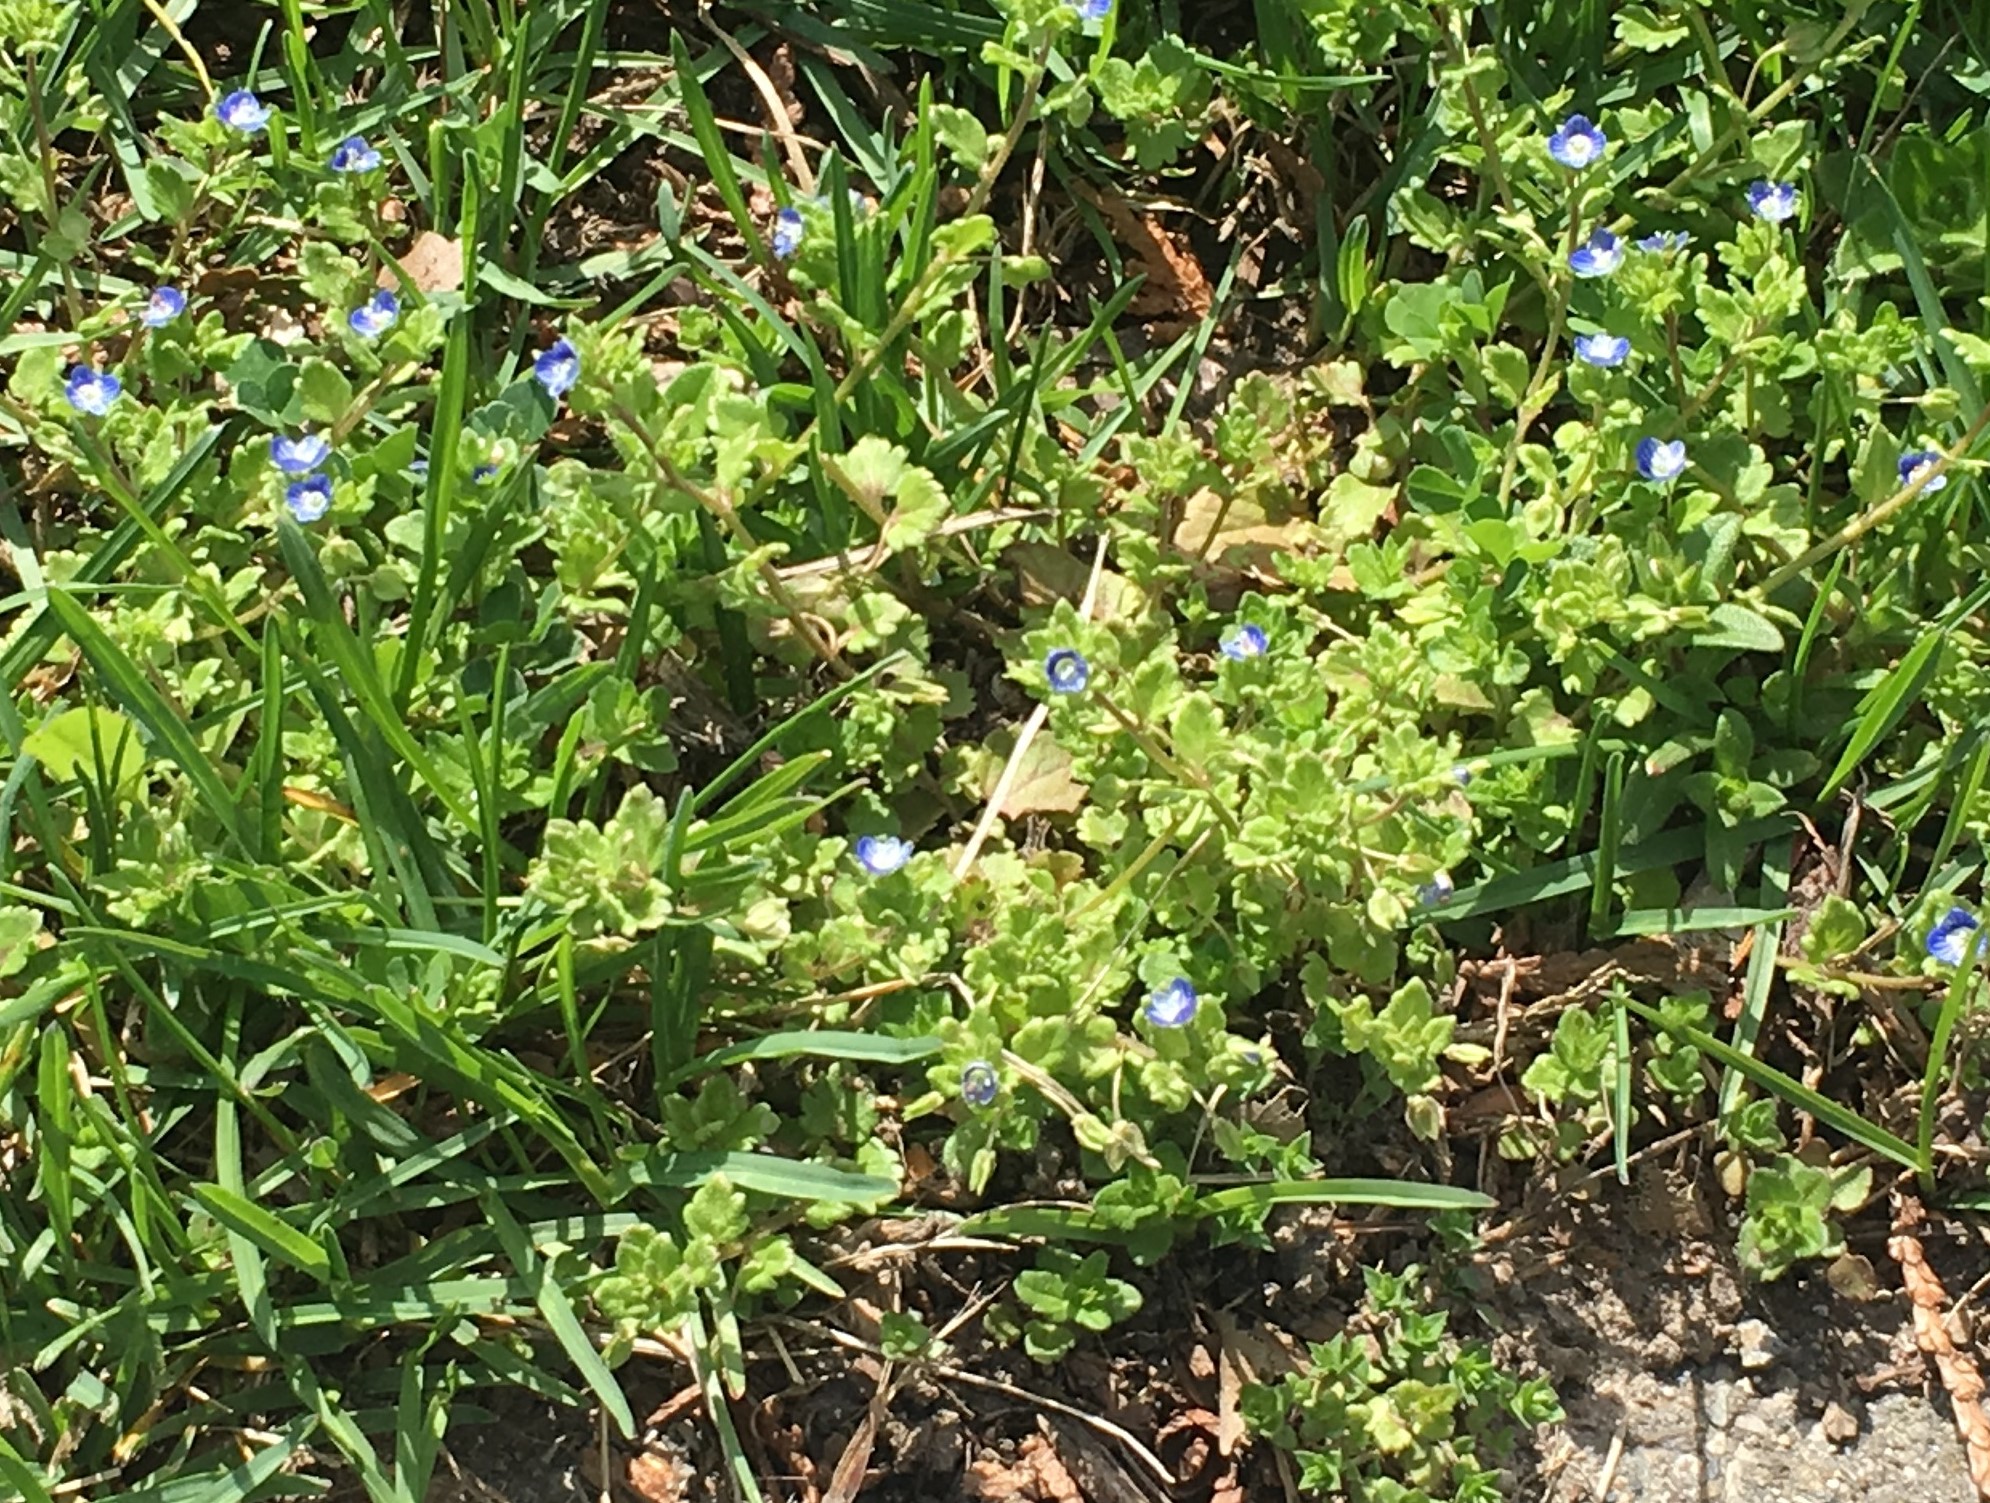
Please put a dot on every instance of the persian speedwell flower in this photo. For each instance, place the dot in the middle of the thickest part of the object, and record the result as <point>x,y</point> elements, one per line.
<point>1436,890</point>
<point>1914,464</point>
<point>300,455</point>
<point>978,1082</point>
<point>242,111</point>
<point>1577,143</point>
<point>1659,460</point>
<point>1172,1006</point>
<point>1606,350</point>
<point>557,368</point>
<point>483,474</point>
<point>881,855</point>
<point>1774,202</point>
<point>1664,242</point>
<point>1067,670</point>
<point>1602,255</point>
<point>789,226</point>
<point>309,498</point>
<point>1243,641</point>
<point>1461,774</point>
<point>91,392</point>
<point>376,315</point>
<point>1949,940</point>
<point>165,305</point>
<point>1093,10</point>
<point>353,155</point>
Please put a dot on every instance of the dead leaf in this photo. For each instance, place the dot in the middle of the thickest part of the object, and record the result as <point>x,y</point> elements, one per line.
<point>1232,1373</point>
<point>434,263</point>
<point>1043,783</point>
<point>848,1478</point>
<point>1048,574</point>
<point>1175,285</point>
<point>1037,1477</point>
<point>1238,535</point>
<point>656,1478</point>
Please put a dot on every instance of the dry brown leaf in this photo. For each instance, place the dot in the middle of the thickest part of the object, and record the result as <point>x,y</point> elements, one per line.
<point>1048,574</point>
<point>1240,535</point>
<point>1175,285</point>
<point>656,1478</point>
<point>1958,1369</point>
<point>848,1478</point>
<point>1043,782</point>
<point>1232,1373</point>
<point>434,263</point>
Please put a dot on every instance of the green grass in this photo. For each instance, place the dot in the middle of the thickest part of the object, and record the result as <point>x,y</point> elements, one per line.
<point>434,949</point>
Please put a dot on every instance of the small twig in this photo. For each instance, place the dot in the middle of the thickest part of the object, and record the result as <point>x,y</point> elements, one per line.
<point>1612,1459</point>
<point>1960,1378</point>
<point>777,108</point>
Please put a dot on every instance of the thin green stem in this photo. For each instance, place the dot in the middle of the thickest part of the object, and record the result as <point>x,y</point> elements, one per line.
<point>1167,761</point>
<point>1953,1006</point>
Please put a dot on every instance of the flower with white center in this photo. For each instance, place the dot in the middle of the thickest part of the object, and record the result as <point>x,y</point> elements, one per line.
<point>1774,202</point>
<point>1603,254</point>
<point>1093,10</point>
<point>1066,670</point>
<point>91,392</point>
<point>1949,941</point>
<point>300,455</point>
<point>881,855</point>
<point>1916,464</point>
<point>1665,242</point>
<point>556,368</point>
<point>242,111</point>
<point>1173,1005</point>
<point>789,227</point>
<point>1605,350</point>
<point>979,1083</point>
<point>1577,143</point>
<point>1242,642</point>
<point>1437,890</point>
<point>1660,460</point>
<point>309,498</point>
<point>165,305</point>
<point>375,316</point>
<point>353,155</point>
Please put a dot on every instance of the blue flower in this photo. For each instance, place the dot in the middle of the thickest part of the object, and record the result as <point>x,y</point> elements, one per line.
<point>1437,890</point>
<point>1949,940</point>
<point>1067,670</point>
<point>353,155</point>
<point>1664,242</point>
<point>557,368</point>
<point>1658,460</point>
<point>789,227</point>
<point>979,1083</point>
<point>1774,202</point>
<point>300,455</point>
<point>1577,143</point>
<point>242,111</point>
<point>1605,350</point>
<point>483,474</point>
<point>1602,255</point>
<point>309,498</point>
<point>1242,642</point>
<point>165,305</point>
<point>1912,465</point>
<point>91,392</point>
<point>1461,774</point>
<point>1172,1006</point>
<point>881,855</point>
<point>1093,10</point>
<point>376,315</point>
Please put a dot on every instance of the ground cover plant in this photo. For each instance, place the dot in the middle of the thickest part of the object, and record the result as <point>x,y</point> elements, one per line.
<point>640,641</point>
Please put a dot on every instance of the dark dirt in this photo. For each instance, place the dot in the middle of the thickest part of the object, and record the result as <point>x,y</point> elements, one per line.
<point>1683,1384</point>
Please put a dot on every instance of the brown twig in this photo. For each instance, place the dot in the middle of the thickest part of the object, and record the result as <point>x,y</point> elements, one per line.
<point>1957,1368</point>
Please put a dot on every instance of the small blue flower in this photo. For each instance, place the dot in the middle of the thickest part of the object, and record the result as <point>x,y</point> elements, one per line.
<point>309,498</point>
<point>881,855</point>
<point>557,368</point>
<point>789,227</point>
<point>353,155</point>
<point>165,305</point>
<point>1774,202</point>
<point>375,316</point>
<point>1172,1006</point>
<point>1437,890</point>
<point>1912,465</point>
<point>418,467</point>
<point>1602,255</point>
<point>1067,670</point>
<point>1093,10</point>
<point>242,111</point>
<point>1577,143</point>
<point>979,1083</point>
<point>1665,242</point>
<point>300,455</point>
<point>1949,940</point>
<point>1658,460</point>
<point>1461,774</point>
<point>91,392</point>
<point>483,474</point>
<point>1242,642</point>
<point>1605,350</point>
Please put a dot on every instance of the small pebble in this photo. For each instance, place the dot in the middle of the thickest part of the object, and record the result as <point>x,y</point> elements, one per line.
<point>1757,1345</point>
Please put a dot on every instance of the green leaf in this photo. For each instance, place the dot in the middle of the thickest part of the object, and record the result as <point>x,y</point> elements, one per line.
<point>792,1179</point>
<point>75,742</point>
<point>1734,625</point>
<point>278,1238</point>
<point>323,392</point>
